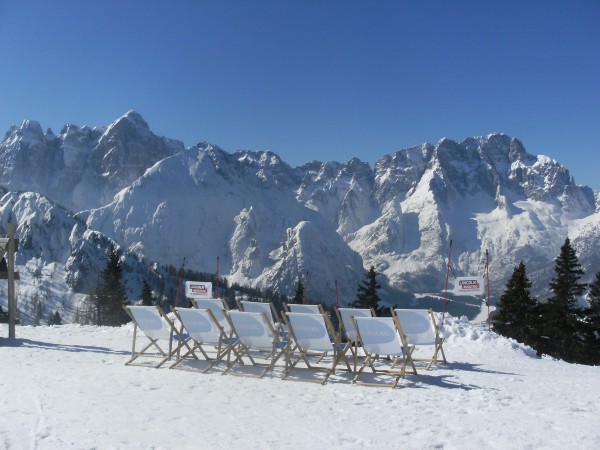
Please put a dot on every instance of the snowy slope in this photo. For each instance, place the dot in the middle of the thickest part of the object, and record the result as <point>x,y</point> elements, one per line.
<point>493,394</point>
<point>58,259</point>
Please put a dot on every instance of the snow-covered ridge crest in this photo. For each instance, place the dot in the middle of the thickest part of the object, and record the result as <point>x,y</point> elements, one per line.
<point>81,168</point>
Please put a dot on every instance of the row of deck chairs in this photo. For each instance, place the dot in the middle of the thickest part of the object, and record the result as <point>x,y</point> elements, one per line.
<point>254,340</point>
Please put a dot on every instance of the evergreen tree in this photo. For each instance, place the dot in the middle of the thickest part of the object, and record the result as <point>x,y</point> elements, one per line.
<point>38,310</point>
<point>366,292</point>
<point>593,313</point>
<point>146,296</point>
<point>111,294</point>
<point>55,319</point>
<point>516,312</point>
<point>563,327</point>
<point>299,295</point>
<point>87,311</point>
<point>594,298</point>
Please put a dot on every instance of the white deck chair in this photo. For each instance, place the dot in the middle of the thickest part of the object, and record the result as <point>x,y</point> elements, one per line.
<point>301,308</point>
<point>383,336</point>
<point>156,326</point>
<point>268,308</point>
<point>259,341</point>
<point>207,336</point>
<point>421,329</point>
<point>218,308</point>
<point>313,334</point>
<point>348,329</point>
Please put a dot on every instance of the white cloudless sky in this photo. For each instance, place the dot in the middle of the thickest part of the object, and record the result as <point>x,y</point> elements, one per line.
<point>325,80</point>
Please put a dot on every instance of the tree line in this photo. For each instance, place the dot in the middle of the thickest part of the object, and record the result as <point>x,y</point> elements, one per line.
<point>104,306</point>
<point>560,326</point>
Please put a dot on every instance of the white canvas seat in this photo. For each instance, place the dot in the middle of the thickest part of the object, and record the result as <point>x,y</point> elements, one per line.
<point>382,336</point>
<point>268,309</point>
<point>348,329</point>
<point>155,326</point>
<point>259,341</point>
<point>201,328</point>
<point>313,334</point>
<point>301,308</point>
<point>421,329</point>
<point>218,308</point>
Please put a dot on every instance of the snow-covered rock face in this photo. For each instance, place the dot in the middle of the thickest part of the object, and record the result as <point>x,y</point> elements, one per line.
<point>81,168</point>
<point>341,193</point>
<point>270,223</point>
<point>485,193</point>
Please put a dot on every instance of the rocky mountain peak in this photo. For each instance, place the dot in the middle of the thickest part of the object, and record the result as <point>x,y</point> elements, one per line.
<point>270,223</point>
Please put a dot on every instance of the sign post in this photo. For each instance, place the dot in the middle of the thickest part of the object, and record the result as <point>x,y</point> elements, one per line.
<point>198,289</point>
<point>469,286</point>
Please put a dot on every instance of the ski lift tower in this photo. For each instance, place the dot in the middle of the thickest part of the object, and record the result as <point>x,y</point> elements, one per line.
<point>8,247</point>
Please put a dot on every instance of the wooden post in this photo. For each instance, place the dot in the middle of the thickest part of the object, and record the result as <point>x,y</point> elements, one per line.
<point>12,300</point>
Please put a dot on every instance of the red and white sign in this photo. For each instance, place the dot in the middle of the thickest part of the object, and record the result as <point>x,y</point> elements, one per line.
<point>198,289</point>
<point>469,286</point>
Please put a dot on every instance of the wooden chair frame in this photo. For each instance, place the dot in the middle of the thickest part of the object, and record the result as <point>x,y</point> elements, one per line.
<point>383,336</point>
<point>314,337</point>
<point>348,329</point>
<point>201,328</point>
<point>421,329</point>
<point>155,326</point>
<point>258,340</point>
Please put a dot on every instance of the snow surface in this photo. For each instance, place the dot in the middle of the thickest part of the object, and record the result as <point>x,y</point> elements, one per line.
<point>67,387</point>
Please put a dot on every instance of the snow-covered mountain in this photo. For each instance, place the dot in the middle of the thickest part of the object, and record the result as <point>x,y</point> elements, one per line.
<point>80,168</point>
<point>271,224</point>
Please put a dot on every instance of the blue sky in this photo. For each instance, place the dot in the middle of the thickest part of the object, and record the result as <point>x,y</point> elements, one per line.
<point>326,80</point>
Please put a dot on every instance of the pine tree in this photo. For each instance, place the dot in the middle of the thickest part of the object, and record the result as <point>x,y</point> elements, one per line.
<point>55,319</point>
<point>516,312</point>
<point>366,292</point>
<point>299,295</point>
<point>111,294</point>
<point>593,312</point>
<point>38,309</point>
<point>146,295</point>
<point>594,298</point>
<point>562,317</point>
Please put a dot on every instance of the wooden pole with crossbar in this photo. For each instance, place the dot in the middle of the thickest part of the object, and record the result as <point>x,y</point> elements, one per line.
<point>10,260</point>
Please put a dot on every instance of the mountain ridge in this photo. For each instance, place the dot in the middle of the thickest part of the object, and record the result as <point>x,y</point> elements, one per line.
<point>272,225</point>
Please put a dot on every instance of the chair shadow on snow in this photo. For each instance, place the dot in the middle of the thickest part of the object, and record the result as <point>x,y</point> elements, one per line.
<point>469,367</point>
<point>441,381</point>
<point>420,381</point>
<point>61,347</point>
<point>425,378</point>
<point>249,370</point>
<point>200,365</point>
